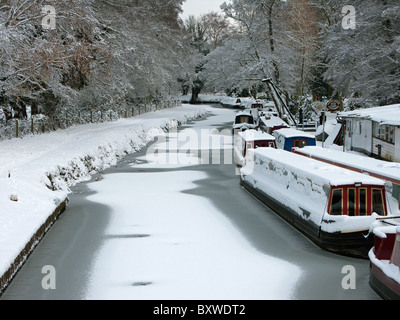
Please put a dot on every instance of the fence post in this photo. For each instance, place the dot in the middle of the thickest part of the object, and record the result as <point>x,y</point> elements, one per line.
<point>32,125</point>
<point>16,128</point>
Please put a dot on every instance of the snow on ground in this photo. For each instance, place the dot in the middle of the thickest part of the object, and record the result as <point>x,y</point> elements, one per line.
<point>32,166</point>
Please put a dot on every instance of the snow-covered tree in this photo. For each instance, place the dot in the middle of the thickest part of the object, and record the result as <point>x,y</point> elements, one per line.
<point>270,40</point>
<point>43,67</point>
<point>99,53</point>
<point>204,34</point>
<point>216,29</point>
<point>363,61</point>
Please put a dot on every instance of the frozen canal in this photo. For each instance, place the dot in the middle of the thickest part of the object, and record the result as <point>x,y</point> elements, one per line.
<point>172,222</point>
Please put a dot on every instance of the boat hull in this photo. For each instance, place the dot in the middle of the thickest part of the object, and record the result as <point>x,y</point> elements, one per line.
<point>355,244</point>
<point>386,287</point>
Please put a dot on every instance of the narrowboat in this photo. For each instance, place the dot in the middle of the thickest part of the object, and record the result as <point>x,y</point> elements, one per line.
<point>258,105</point>
<point>243,121</point>
<point>289,138</point>
<point>251,139</point>
<point>269,122</point>
<point>387,171</point>
<point>334,207</point>
<point>385,262</point>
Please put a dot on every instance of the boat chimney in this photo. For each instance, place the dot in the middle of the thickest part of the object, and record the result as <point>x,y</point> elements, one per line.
<point>395,259</point>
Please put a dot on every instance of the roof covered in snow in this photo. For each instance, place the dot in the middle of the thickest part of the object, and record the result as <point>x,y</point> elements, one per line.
<point>273,121</point>
<point>291,133</point>
<point>362,162</point>
<point>389,115</point>
<point>253,135</point>
<point>314,169</point>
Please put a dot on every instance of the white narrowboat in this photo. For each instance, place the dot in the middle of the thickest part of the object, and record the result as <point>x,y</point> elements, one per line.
<point>334,207</point>
<point>251,139</point>
<point>270,122</point>
<point>387,171</point>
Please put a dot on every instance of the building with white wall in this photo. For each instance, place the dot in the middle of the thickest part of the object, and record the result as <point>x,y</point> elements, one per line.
<point>373,131</point>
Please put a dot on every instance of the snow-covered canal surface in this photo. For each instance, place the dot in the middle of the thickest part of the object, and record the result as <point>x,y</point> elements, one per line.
<point>172,222</point>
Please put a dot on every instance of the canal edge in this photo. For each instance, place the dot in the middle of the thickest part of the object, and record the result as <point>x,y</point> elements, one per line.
<point>19,261</point>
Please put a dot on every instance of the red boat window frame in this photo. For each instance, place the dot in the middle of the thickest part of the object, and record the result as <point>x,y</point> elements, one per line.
<point>264,144</point>
<point>363,203</point>
<point>352,206</point>
<point>382,201</point>
<point>255,144</point>
<point>333,207</point>
<point>300,143</point>
<point>364,213</point>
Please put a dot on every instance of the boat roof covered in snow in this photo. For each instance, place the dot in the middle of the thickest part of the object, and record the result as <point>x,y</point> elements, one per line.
<point>315,170</point>
<point>253,135</point>
<point>291,133</point>
<point>379,168</point>
<point>273,121</point>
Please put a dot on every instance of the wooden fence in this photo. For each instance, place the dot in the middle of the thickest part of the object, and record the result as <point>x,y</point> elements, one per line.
<point>37,124</point>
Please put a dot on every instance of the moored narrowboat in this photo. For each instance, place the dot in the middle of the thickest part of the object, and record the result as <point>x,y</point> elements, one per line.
<point>289,138</point>
<point>387,171</point>
<point>243,121</point>
<point>333,206</point>
<point>251,139</point>
<point>270,122</point>
<point>385,262</point>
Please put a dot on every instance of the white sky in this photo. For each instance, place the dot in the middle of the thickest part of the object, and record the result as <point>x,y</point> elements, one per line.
<point>200,7</point>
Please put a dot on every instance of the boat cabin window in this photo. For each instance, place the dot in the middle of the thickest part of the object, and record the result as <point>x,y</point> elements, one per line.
<point>244,119</point>
<point>299,143</point>
<point>377,202</point>
<point>264,144</point>
<point>351,203</point>
<point>363,202</point>
<point>337,203</point>
<point>357,201</point>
